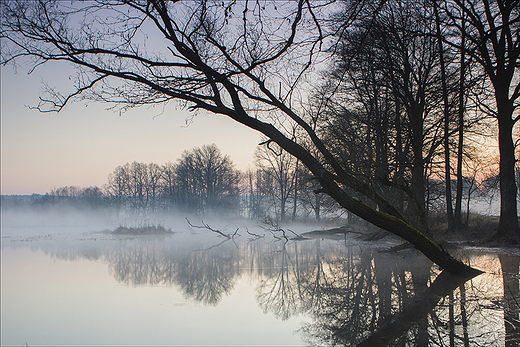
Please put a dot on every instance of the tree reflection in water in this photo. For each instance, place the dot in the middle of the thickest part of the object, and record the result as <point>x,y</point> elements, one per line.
<point>354,294</point>
<point>204,273</point>
<point>207,274</point>
<point>511,298</point>
<point>361,289</point>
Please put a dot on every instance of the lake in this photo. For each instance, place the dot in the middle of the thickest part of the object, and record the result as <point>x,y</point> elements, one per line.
<point>76,285</point>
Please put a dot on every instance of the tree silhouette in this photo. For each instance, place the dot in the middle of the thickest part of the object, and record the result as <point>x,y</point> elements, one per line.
<point>207,180</point>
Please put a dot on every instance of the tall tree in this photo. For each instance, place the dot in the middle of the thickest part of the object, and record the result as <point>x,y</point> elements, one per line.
<point>446,116</point>
<point>492,29</point>
<point>390,106</point>
<point>246,67</point>
<point>258,188</point>
<point>207,179</point>
<point>457,214</point>
<point>118,187</point>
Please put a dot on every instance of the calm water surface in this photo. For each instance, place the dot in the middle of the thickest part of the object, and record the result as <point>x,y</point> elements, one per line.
<point>63,286</point>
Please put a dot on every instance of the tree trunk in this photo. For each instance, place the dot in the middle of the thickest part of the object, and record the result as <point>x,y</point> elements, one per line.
<point>497,51</point>
<point>295,187</point>
<point>508,225</point>
<point>397,227</point>
<point>447,164</point>
<point>418,185</point>
<point>390,223</point>
<point>457,216</point>
<point>282,209</point>
<point>189,79</point>
<point>317,208</point>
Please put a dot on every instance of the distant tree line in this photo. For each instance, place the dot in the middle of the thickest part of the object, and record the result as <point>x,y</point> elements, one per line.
<point>204,181</point>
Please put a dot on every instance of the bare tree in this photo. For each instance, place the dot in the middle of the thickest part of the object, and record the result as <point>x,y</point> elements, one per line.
<point>168,185</point>
<point>391,87</point>
<point>117,187</point>
<point>492,31</point>
<point>154,183</point>
<point>135,187</point>
<point>138,187</point>
<point>245,60</point>
<point>207,180</point>
<point>258,187</point>
<point>281,167</point>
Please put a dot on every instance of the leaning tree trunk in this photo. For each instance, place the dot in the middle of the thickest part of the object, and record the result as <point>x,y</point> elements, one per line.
<point>400,228</point>
<point>190,78</point>
<point>392,223</point>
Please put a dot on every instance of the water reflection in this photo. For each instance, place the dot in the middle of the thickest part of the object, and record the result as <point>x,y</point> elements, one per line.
<point>204,274</point>
<point>511,298</point>
<point>355,295</point>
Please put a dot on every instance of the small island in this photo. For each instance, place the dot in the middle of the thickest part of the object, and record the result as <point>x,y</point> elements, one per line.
<point>143,230</point>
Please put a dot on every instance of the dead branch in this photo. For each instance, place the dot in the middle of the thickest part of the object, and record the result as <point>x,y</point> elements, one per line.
<point>206,226</point>
<point>274,227</point>
<point>255,236</point>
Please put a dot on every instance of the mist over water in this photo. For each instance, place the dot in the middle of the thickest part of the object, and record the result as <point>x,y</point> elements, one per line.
<point>67,279</point>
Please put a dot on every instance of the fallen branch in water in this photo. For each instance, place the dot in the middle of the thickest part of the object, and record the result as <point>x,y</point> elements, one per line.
<point>331,232</point>
<point>273,226</point>
<point>256,236</point>
<point>206,226</point>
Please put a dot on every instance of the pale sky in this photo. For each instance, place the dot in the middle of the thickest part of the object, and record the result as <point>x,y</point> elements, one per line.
<point>83,143</point>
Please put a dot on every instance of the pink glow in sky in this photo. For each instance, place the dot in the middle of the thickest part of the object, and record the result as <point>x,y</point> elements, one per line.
<point>83,143</point>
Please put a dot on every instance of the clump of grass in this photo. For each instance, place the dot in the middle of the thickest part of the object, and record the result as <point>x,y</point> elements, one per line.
<point>143,230</point>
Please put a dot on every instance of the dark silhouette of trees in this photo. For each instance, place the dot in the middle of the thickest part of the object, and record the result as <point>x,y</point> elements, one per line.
<point>396,104</point>
<point>168,189</point>
<point>283,186</point>
<point>135,187</point>
<point>117,187</point>
<point>389,81</point>
<point>311,199</point>
<point>390,103</point>
<point>491,30</point>
<point>246,67</point>
<point>257,191</point>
